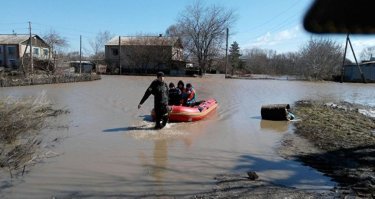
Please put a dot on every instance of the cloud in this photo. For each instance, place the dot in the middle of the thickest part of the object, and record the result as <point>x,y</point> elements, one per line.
<point>288,34</point>
<point>363,43</point>
<point>291,40</point>
<point>271,39</point>
<point>265,39</point>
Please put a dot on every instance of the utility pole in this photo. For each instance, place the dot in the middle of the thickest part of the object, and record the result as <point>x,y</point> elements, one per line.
<point>343,61</point>
<point>355,58</point>
<point>54,59</point>
<point>31,50</point>
<point>226,53</point>
<point>119,53</point>
<point>80,54</point>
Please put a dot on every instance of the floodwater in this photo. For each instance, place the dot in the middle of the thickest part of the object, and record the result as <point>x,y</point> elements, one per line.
<point>111,150</point>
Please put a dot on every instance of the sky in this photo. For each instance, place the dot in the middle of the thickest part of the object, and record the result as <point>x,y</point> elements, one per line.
<point>266,24</point>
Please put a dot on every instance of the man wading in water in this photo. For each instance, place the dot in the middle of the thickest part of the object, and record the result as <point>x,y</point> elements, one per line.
<point>159,89</point>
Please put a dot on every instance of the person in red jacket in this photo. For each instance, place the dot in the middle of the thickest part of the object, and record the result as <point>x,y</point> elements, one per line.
<point>190,95</point>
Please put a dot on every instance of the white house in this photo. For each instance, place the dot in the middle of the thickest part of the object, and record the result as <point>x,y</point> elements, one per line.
<point>14,46</point>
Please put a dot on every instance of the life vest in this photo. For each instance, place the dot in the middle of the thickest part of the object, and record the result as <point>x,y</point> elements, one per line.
<point>191,96</point>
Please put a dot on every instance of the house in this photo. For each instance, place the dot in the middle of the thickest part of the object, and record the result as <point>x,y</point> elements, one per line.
<point>144,54</point>
<point>15,46</point>
<point>352,73</point>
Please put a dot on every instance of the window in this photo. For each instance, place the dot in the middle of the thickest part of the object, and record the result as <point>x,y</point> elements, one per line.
<point>45,52</point>
<point>114,51</point>
<point>11,50</point>
<point>1,50</point>
<point>35,51</point>
<point>1,62</point>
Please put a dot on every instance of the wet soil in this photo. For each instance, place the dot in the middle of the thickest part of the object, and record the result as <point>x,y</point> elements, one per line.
<point>338,140</point>
<point>335,138</point>
<point>243,186</point>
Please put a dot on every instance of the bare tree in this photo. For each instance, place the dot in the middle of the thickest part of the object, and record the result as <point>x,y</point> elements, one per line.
<point>290,66</point>
<point>176,31</point>
<point>173,31</point>
<point>56,43</point>
<point>256,61</point>
<point>98,45</point>
<point>284,64</point>
<point>202,29</point>
<point>318,59</point>
<point>263,61</point>
<point>55,40</point>
<point>321,58</point>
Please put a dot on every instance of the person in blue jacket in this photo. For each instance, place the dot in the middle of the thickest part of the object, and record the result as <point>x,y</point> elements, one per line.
<point>174,95</point>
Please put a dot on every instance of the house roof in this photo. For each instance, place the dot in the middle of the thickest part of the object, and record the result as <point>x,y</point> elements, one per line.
<point>13,39</point>
<point>16,38</point>
<point>367,63</point>
<point>145,40</point>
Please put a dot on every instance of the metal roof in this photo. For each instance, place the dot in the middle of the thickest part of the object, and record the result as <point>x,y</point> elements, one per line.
<point>367,63</point>
<point>145,41</point>
<point>13,38</point>
<point>83,62</point>
<point>17,38</point>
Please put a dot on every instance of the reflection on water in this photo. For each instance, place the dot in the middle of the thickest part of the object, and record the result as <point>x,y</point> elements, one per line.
<point>160,159</point>
<point>111,149</point>
<point>275,126</point>
<point>157,167</point>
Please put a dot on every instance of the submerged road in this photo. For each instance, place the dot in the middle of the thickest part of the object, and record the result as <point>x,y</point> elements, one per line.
<point>110,149</point>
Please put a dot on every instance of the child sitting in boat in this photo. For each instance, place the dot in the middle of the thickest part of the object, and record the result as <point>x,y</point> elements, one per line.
<point>181,87</point>
<point>190,95</point>
<point>174,95</point>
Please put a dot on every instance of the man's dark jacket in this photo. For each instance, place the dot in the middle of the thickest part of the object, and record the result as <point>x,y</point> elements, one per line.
<point>160,91</point>
<point>174,96</point>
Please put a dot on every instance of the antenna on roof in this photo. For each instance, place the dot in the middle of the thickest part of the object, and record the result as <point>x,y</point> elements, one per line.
<point>160,35</point>
<point>14,33</point>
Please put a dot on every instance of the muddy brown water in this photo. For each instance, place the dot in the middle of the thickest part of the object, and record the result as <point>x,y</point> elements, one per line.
<point>111,150</point>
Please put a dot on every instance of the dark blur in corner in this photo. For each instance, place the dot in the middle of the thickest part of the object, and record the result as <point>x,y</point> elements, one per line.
<point>340,16</point>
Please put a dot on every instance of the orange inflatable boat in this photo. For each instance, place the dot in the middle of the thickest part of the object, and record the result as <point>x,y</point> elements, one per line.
<point>191,114</point>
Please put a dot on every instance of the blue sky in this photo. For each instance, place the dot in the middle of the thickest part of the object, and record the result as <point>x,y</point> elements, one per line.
<point>267,24</point>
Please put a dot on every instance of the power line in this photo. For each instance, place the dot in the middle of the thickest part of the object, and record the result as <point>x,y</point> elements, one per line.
<point>66,28</point>
<point>10,29</point>
<point>10,23</point>
<point>277,27</point>
<point>276,16</point>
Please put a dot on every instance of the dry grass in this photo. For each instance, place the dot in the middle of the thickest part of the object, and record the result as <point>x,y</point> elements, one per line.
<point>334,127</point>
<point>20,122</point>
<point>36,79</point>
<point>347,142</point>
